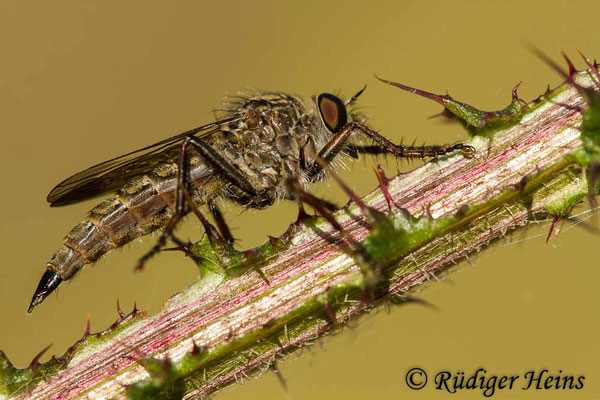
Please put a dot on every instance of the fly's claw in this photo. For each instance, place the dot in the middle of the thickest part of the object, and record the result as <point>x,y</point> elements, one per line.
<point>140,266</point>
<point>467,150</point>
<point>402,299</point>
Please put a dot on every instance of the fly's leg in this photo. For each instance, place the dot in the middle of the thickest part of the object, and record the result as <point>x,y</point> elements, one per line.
<point>411,151</point>
<point>322,207</point>
<point>371,269</point>
<point>225,170</point>
<point>230,173</point>
<point>372,214</point>
<point>246,192</point>
<point>303,216</point>
<point>180,191</point>
<point>373,272</point>
<point>384,146</point>
<point>236,178</point>
<point>209,228</point>
<point>220,221</point>
<point>221,168</point>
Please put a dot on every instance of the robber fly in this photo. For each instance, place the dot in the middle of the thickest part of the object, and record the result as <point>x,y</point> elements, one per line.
<point>248,156</point>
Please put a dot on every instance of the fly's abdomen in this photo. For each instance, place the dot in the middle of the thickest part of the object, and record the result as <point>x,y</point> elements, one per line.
<point>139,208</point>
<point>136,210</point>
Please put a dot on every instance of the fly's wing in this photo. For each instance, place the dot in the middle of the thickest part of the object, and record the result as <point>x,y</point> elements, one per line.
<point>114,173</point>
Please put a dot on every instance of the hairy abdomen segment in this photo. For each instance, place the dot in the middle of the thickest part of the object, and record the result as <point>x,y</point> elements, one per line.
<point>143,206</point>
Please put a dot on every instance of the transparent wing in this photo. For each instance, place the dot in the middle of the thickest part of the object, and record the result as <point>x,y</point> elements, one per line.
<point>110,175</point>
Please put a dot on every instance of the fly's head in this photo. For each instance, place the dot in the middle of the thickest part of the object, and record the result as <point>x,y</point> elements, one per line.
<point>334,113</point>
<point>329,114</point>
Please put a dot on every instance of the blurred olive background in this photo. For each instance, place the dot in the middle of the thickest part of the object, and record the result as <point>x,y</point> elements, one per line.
<point>81,82</point>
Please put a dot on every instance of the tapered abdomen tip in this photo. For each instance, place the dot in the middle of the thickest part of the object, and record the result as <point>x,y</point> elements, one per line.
<point>50,281</point>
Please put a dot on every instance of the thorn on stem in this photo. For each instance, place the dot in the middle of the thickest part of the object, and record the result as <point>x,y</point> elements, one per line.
<point>197,350</point>
<point>88,326</point>
<point>515,95</point>
<point>383,186</point>
<point>572,69</point>
<point>592,67</point>
<point>568,76</point>
<point>330,314</point>
<point>428,95</point>
<point>35,363</point>
<point>552,226</point>
<point>119,311</point>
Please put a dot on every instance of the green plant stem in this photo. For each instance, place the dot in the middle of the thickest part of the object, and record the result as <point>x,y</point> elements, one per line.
<point>445,211</point>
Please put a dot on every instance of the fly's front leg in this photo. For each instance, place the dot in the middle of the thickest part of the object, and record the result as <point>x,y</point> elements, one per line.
<point>411,151</point>
<point>383,146</point>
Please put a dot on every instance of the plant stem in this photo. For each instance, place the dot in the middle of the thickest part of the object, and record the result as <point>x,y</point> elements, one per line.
<point>237,325</point>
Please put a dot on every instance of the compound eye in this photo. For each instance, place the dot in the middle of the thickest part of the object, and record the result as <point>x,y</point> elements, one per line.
<point>333,111</point>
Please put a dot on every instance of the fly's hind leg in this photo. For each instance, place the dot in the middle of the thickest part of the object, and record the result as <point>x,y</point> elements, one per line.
<point>220,221</point>
<point>221,168</point>
<point>183,198</point>
<point>180,191</point>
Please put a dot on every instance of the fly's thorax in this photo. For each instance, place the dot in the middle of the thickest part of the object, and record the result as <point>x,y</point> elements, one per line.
<point>265,143</point>
<point>277,136</point>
